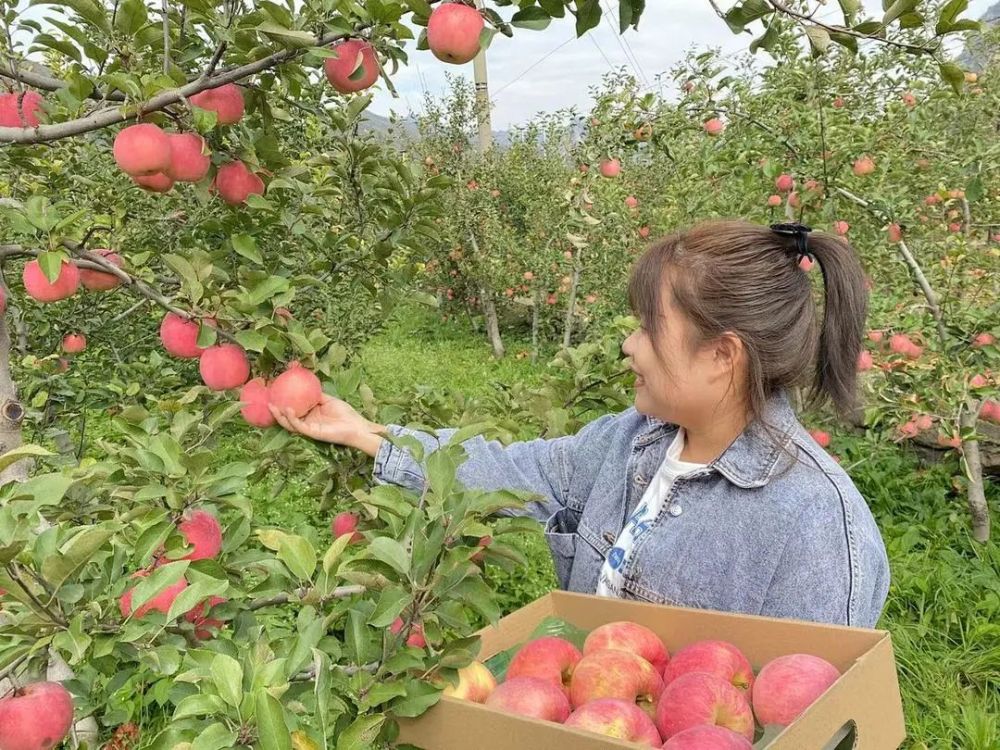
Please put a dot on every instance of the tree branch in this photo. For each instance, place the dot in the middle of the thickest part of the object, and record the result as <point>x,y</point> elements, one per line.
<point>338,593</point>
<point>112,116</point>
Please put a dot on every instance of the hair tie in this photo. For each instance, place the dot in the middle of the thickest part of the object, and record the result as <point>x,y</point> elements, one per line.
<point>800,233</point>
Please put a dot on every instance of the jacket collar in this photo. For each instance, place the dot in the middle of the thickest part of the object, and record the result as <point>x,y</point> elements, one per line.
<point>756,454</point>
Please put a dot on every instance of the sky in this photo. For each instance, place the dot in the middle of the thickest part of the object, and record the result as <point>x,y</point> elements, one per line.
<point>543,71</point>
<point>551,69</point>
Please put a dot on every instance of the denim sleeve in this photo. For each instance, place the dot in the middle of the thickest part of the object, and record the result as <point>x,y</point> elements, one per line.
<point>544,467</point>
<point>815,579</point>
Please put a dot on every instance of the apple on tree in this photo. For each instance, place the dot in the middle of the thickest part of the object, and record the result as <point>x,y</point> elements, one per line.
<point>453,33</point>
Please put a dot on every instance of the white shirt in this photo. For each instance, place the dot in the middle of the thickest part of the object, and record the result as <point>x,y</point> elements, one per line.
<point>639,523</point>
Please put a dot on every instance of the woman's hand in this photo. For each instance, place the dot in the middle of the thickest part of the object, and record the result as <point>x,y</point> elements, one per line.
<point>333,421</point>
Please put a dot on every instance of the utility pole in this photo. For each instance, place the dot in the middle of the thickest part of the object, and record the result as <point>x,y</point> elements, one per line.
<point>482,98</point>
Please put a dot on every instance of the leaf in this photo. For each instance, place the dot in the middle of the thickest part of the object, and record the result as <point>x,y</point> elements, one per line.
<point>532,17</point>
<point>60,45</point>
<point>227,674</point>
<point>272,731</point>
<point>130,17</point>
<point>391,553</point>
<point>391,603</point>
<point>361,734</point>
<point>419,7</point>
<point>266,289</point>
<point>302,741</point>
<point>951,12</point>
<point>199,704</point>
<point>246,246</point>
<point>293,38</point>
<point>336,550</point>
<point>419,697</point>
<point>850,9</point>
<point>22,451</point>
<point>39,212</point>
<point>953,75</point>
<point>897,9</point>
<point>253,341</point>
<point>215,737</point>
<point>819,39</point>
<point>299,555</point>
<point>588,15</point>
<point>60,567</point>
<point>88,10</point>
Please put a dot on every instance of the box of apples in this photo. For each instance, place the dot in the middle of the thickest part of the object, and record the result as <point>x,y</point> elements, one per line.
<point>577,672</point>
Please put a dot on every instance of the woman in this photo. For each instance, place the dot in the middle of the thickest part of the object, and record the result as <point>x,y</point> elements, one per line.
<point>708,493</point>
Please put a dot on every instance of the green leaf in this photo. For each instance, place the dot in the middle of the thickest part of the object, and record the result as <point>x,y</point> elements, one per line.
<point>215,737</point>
<point>766,40</point>
<point>588,15</point>
<point>897,9</point>
<point>252,340</point>
<point>951,12</point>
<point>199,704</point>
<point>227,674</point>
<point>246,246</point>
<point>23,451</point>
<point>532,17</point>
<point>293,38</point>
<point>266,289</point>
<point>557,9</point>
<point>819,39</point>
<point>39,212</point>
<point>336,550</point>
<point>60,567</point>
<point>88,10</point>
<point>441,472</point>
<point>850,8</point>
<point>299,555</point>
<point>60,45</point>
<point>740,16</point>
<point>130,17</point>
<point>419,697</point>
<point>361,734</point>
<point>391,603</point>
<point>391,553</point>
<point>419,7</point>
<point>272,731</point>
<point>953,75</point>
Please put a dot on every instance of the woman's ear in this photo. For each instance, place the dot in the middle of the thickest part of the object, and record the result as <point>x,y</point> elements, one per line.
<point>728,355</point>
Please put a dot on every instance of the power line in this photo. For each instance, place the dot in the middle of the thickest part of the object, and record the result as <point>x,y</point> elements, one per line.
<point>531,67</point>
<point>632,61</point>
<point>590,36</point>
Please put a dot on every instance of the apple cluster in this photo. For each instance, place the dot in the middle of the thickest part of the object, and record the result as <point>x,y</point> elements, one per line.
<point>625,685</point>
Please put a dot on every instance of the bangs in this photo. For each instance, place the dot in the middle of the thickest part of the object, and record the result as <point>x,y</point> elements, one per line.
<point>647,279</point>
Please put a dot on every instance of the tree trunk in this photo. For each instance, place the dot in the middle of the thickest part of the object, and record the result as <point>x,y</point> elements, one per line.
<point>536,314</point>
<point>571,307</point>
<point>978,507</point>
<point>492,322</point>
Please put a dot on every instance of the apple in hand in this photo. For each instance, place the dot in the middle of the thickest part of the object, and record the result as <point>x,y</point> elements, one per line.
<point>616,718</point>
<point>532,697</point>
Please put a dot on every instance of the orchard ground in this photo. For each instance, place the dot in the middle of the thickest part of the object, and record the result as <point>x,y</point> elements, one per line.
<point>944,603</point>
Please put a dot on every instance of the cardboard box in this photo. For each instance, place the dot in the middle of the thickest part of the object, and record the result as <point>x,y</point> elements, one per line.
<point>861,710</point>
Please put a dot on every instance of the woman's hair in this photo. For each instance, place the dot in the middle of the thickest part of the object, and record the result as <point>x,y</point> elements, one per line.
<point>738,277</point>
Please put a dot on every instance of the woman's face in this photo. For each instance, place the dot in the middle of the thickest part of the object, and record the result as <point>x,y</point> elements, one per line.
<point>684,384</point>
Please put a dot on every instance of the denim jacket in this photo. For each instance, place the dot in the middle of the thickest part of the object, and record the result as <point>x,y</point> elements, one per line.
<point>772,527</point>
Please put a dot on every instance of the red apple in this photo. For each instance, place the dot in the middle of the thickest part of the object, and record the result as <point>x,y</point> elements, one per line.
<point>720,658</point>
<point>180,336</point>
<point>617,719</point>
<point>774,201</point>
<point>235,183</point>
<point>203,624</point>
<point>713,126</point>
<point>225,100</point>
<point>74,343</point>
<point>102,281</point>
<point>453,33</point>
<point>823,438</point>
<point>159,603</point>
<point>864,166</point>
<point>20,110</point>
<point>201,530</point>
<point>631,202</point>
<point>548,658</point>
<point>610,167</point>
<point>346,523</point>
<point>354,69</point>
<point>788,685</point>
<point>841,227</point>
<point>224,366</point>
<point>189,157</point>
<point>983,339</point>
<point>838,103</point>
<point>142,149</point>
<point>415,638</point>
<point>895,233</point>
<point>615,674</point>
<point>784,183</point>
<point>38,286</point>
<point>701,698</point>
<point>865,361</point>
<point>154,183</point>
<point>529,696</point>
<point>629,636</point>
<point>255,410</point>
<point>37,716</point>
<point>707,737</point>
<point>644,232</point>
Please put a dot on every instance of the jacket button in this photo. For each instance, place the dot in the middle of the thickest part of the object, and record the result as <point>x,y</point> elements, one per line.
<point>640,479</point>
<point>675,510</point>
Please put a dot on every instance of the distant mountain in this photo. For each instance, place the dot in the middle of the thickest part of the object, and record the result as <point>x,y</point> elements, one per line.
<point>977,53</point>
<point>406,127</point>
